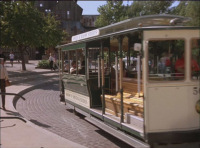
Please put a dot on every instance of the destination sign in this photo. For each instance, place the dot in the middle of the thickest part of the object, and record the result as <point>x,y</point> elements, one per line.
<point>85,35</point>
<point>77,98</point>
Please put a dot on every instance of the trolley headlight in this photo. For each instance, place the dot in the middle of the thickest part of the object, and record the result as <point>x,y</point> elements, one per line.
<point>198,106</point>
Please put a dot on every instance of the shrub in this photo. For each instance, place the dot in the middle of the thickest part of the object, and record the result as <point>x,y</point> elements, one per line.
<point>43,64</point>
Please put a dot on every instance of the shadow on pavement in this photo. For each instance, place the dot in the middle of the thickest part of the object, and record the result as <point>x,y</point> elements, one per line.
<point>8,126</point>
<point>8,112</point>
<point>39,123</point>
<point>113,139</point>
<point>27,78</point>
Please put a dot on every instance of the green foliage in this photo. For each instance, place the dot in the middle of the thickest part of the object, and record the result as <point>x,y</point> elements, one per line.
<point>110,13</point>
<point>24,26</point>
<point>193,11</point>
<point>114,11</point>
<point>180,9</point>
<point>52,35</point>
<point>21,24</point>
<point>44,64</point>
<point>189,9</point>
<point>139,8</point>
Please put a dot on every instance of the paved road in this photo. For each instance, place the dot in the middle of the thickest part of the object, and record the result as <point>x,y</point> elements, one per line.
<point>43,108</point>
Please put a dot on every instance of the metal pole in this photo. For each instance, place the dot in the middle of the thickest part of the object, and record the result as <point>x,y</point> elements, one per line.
<point>62,62</point>
<point>120,79</point>
<point>103,81</point>
<point>59,70</point>
<point>69,64</point>
<point>138,73</point>
<point>86,63</point>
<point>76,62</point>
<point>62,98</point>
<point>99,72</point>
<point>116,72</point>
<point>129,53</point>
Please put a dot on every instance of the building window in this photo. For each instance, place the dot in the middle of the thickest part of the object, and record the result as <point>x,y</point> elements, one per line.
<point>47,10</point>
<point>68,14</point>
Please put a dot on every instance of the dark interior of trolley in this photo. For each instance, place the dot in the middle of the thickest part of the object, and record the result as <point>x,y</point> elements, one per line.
<point>107,52</point>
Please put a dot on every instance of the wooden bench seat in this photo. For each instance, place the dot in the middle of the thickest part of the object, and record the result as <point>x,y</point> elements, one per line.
<point>132,101</point>
<point>130,86</point>
<point>131,105</point>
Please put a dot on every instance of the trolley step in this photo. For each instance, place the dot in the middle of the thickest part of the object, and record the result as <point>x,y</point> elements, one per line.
<point>118,134</point>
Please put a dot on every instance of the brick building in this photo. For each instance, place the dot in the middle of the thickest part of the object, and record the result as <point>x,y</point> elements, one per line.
<point>88,21</point>
<point>69,13</point>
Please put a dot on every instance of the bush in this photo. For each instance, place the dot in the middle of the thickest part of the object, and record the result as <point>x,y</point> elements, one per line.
<point>44,64</point>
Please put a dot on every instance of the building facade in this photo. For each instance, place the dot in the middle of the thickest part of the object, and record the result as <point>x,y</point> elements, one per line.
<point>69,14</point>
<point>88,21</point>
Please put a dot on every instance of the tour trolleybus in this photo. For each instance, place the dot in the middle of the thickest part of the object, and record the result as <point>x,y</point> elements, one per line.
<point>137,79</point>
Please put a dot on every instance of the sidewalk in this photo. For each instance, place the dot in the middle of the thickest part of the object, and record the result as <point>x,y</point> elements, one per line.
<point>16,133</point>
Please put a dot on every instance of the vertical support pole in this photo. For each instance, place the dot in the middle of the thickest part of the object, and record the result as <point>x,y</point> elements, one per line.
<point>99,72</point>
<point>62,62</point>
<point>109,66</point>
<point>120,78</point>
<point>103,79</point>
<point>129,52</point>
<point>109,57</point>
<point>69,62</point>
<point>86,63</point>
<point>157,64</point>
<point>76,62</point>
<point>116,72</point>
<point>59,63</point>
<point>138,73</point>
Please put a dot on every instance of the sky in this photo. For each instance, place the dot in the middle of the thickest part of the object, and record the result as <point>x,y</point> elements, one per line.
<point>90,7</point>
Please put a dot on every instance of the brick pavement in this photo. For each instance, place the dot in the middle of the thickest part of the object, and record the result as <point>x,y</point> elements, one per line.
<point>46,113</point>
<point>16,134</point>
<point>42,107</point>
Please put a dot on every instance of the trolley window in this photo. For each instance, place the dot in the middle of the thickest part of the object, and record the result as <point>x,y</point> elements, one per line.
<point>166,60</point>
<point>195,59</point>
<point>66,61</point>
<point>93,60</point>
<point>74,62</point>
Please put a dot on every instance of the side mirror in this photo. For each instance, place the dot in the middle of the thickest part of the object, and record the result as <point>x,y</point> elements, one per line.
<point>137,47</point>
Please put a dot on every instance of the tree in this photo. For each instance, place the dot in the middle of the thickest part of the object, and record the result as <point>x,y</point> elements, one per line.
<point>24,26</point>
<point>189,9</point>
<point>193,11</point>
<point>139,8</point>
<point>52,35</point>
<point>180,9</point>
<point>110,13</point>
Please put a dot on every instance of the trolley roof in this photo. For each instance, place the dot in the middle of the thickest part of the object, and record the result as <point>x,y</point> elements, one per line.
<point>161,21</point>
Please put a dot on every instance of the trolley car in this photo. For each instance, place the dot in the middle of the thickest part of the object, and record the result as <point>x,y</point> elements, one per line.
<point>150,101</point>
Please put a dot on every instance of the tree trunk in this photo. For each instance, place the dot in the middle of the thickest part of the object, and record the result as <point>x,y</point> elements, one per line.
<point>21,50</point>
